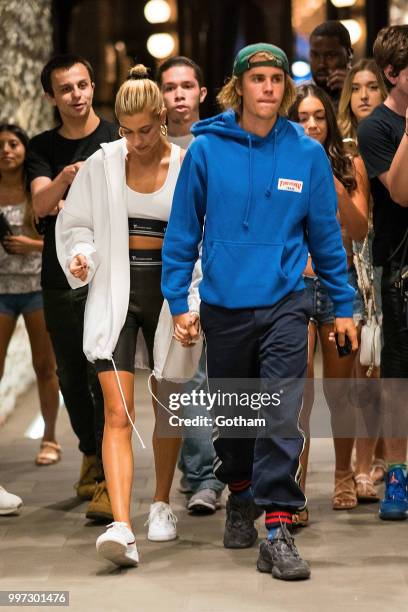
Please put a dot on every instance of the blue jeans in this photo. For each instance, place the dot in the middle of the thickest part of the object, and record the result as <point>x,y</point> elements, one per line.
<point>197,454</point>
<point>323,308</point>
<point>14,304</point>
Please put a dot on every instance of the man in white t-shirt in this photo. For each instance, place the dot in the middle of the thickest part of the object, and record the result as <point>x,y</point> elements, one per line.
<point>181,82</point>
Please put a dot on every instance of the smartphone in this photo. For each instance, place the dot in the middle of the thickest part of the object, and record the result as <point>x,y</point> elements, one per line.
<point>345,350</point>
<point>5,229</point>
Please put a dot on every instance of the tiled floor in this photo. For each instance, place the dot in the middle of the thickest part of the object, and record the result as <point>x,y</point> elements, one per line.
<point>358,562</point>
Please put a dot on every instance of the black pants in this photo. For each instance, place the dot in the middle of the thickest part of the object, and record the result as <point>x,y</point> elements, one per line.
<point>145,303</point>
<point>64,315</point>
<point>394,355</point>
<point>270,344</point>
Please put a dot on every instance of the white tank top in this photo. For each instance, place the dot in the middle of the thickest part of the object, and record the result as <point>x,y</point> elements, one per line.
<point>148,213</point>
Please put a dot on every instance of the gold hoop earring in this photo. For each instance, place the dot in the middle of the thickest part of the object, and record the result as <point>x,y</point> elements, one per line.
<point>163,129</point>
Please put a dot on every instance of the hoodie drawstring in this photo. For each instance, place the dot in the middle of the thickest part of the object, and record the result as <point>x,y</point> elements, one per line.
<point>248,206</point>
<point>268,191</point>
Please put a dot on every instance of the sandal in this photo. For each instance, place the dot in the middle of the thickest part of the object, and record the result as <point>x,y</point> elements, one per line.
<point>344,496</point>
<point>366,491</point>
<point>301,518</point>
<point>378,471</point>
<point>49,453</point>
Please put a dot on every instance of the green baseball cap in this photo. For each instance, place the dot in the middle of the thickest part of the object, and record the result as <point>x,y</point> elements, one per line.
<point>242,63</point>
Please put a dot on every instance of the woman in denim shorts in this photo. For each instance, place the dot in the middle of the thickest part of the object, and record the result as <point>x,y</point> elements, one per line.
<point>314,111</point>
<point>20,291</point>
<point>364,90</point>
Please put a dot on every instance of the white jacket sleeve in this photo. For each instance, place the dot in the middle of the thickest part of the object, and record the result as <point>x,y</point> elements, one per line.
<point>74,227</point>
<point>193,293</point>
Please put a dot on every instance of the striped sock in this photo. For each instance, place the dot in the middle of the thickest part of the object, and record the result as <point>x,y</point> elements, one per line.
<point>241,489</point>
<point>273,520</point>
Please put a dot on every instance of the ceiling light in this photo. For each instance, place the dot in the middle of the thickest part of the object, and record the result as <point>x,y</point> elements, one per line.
<point>343,3</point>
<point>354,29</point>
<point>160,45</point>
<point>157,11</point>
<point>300,69</point>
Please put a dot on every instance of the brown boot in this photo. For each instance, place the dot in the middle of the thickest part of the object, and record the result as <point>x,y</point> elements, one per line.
<point>86,485</point>
<point>100,508</point>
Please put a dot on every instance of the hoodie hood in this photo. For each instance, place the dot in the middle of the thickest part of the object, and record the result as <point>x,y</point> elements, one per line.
<point>226,125</point>
<point>114,147</point>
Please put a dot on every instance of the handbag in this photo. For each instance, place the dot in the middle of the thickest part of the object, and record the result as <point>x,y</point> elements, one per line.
<point>172,361</point>
<point>370,341</point>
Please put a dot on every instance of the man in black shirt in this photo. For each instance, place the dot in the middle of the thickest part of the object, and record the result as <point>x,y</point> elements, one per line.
<point>331,54</point>
<point>383,142</point>
<point>54,158</point>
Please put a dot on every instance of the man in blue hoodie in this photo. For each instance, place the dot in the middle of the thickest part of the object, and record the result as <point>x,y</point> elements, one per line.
<point>266,194</point>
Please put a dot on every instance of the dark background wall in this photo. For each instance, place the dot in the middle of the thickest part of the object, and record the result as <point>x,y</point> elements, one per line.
<point>209,31</point>
<point>375,14</point>
<point>212,32</point>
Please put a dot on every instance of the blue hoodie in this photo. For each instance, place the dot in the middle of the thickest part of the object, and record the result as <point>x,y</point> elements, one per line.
<point>265,203</point>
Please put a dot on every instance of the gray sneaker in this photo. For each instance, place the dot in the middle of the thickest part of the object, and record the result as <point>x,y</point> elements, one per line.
<point>205,501</point>
<point>280,557</point>
<point>239,526</point>
<point>184,486</point>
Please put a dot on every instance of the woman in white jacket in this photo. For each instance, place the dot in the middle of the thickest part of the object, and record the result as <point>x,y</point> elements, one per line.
<point>110,235</point>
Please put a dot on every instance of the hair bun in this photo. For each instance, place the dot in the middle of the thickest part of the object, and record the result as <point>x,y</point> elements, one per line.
<point>138,72</point>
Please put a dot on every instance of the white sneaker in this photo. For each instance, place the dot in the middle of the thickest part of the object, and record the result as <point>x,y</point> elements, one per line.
<point>162,523</point>
<point>118,545</point>
<point>9,503</point>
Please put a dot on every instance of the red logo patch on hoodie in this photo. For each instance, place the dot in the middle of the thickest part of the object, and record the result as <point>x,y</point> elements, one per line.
<point>290,185</point>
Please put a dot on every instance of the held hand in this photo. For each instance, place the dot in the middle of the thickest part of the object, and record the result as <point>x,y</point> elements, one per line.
<point>345,326</point>
<point>79,267</point>
<point>336,79</point>
<point>69,172</point>
<point>19,245</point>
<point>186,328</point>
<point>194,328</point>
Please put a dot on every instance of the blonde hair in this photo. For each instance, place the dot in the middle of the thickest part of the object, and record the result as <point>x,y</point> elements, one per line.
<point>229,97</point>
<point>138,93</point>
<point>346,119</point>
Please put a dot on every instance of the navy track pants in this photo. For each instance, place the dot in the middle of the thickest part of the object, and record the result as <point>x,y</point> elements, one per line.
<point>269,344</point>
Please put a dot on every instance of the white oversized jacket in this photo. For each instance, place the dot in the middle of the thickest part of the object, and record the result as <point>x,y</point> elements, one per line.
<point>94,222</point>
